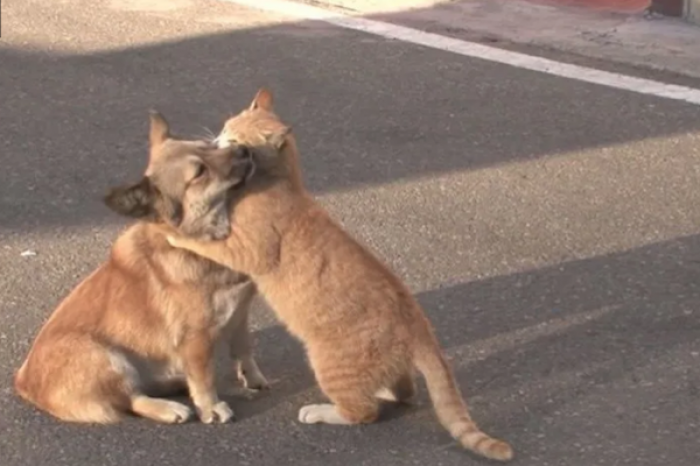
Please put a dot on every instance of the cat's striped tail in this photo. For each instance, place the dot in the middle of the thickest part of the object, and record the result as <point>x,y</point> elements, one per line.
<point>450,406</point>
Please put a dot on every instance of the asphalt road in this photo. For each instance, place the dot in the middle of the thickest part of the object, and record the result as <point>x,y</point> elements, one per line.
<point>550,228</point>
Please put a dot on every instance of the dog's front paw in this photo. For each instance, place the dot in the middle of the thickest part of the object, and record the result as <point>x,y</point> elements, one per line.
<point>172,412</point>
<point>220,413</point>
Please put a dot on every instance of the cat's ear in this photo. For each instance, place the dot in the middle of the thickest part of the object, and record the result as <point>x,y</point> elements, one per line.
<point>263,100</point>
<point>278,137</point>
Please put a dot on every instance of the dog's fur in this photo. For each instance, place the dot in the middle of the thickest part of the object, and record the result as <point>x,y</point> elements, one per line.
<point>363,331</point>
<point>144,324</point>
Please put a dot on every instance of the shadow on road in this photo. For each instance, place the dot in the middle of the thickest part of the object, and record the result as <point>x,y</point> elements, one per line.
<point>586,360</point>
<point>617,332</point>
<point>73,125</point>
<point>585,352</point>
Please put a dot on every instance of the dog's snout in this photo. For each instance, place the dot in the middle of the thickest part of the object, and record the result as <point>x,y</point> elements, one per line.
<point>241,162</point>
<point>244,153</point>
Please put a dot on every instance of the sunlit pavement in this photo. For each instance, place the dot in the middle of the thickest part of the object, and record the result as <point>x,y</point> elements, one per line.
<point>550,228</point>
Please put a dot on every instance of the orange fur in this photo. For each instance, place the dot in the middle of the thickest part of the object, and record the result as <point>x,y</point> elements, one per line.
<point>144,324</point>
<point>363,331</point>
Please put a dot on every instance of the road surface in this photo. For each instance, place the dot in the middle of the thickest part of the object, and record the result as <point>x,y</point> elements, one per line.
<point>550,228</point>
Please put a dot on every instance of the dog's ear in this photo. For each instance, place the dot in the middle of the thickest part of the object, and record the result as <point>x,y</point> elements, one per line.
<point>135,201</point>
<point>159,130</point>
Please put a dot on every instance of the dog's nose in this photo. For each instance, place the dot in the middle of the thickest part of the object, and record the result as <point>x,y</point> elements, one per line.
<point>244,153</point>
<point>242,160</point>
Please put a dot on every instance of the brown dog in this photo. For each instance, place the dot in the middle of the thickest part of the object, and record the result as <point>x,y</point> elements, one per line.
<point>363,331</point>
<point>144,324</point>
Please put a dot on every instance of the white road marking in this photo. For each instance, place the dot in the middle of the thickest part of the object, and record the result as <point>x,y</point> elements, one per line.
<point>471,49</point>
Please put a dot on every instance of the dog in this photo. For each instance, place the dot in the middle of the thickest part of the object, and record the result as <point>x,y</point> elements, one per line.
<point>144,325</point>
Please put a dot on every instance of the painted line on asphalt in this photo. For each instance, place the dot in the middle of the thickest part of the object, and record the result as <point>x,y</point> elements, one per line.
<point>472,49</point>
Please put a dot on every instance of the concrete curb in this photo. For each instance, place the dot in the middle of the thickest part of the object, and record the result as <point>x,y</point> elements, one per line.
<point>641,39</point>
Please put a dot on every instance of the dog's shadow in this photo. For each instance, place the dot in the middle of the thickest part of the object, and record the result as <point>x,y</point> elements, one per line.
<point>283,362</point>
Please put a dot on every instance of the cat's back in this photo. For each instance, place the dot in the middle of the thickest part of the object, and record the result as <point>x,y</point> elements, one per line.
<point>327,279</point>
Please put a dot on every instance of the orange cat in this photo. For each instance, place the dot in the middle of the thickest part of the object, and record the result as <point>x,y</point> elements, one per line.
<point>363,331</point>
